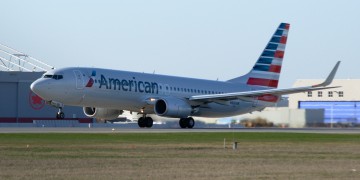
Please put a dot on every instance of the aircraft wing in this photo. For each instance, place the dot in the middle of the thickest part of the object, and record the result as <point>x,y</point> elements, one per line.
<point>247,94</point>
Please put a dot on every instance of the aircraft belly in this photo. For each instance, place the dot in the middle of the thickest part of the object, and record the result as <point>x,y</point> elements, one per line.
<point>219,110</point>
<point>111,100</point>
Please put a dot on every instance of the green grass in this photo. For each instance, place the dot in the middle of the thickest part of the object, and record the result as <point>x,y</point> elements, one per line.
<point>177,137</point>
<point>179,156</point>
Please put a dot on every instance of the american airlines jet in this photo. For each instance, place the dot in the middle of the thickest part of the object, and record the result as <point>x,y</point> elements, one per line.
<point>105,93</point>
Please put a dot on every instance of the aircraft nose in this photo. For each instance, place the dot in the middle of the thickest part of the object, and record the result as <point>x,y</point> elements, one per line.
<point>35,87</point>
<point>39,88</point>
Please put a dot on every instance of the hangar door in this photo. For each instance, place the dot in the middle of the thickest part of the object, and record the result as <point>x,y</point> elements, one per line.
<point>8,100</point>
<point>344,112</point>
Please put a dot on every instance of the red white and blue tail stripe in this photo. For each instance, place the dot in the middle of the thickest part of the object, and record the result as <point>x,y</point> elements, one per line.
<point>266,71</point>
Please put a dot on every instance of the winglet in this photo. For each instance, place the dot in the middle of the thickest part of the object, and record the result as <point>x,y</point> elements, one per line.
<point>330,78</point>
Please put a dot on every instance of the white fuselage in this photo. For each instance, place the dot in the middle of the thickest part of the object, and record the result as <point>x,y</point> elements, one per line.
<point>135,92</point>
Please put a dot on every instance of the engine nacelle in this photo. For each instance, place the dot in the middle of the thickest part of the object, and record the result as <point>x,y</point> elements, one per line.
<point>102,113</point>
<point>172,107</point>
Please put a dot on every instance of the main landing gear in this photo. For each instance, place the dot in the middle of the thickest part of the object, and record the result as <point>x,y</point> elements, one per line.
<point>148,122</point>
<point>187,122</point>
<point>145,122</point>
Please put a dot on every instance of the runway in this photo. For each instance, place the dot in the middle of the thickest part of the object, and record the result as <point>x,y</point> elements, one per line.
<point>175,130</point>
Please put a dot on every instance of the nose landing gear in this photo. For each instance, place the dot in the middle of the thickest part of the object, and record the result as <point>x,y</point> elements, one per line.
<point>60,114</point>
<point>59,105</point>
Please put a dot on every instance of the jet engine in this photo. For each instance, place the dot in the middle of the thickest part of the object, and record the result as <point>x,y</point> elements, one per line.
<point>102,113</point>
<point>172,107</point>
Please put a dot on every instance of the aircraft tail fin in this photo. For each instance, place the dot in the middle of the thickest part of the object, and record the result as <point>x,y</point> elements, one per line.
<point>266,71</point>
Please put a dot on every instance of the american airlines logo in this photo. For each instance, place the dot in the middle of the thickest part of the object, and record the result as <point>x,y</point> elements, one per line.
<point>91,80</point>
<point>131,85</point>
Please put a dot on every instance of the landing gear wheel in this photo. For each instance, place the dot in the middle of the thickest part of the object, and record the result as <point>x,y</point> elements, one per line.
<point>190,122</point>
<point>149,122</point>
<point>60,115</point>
<point>187,122</point>
<point>183,122</point>
<point>141,122</point>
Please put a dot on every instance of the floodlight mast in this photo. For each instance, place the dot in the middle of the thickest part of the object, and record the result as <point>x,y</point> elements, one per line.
<point>11,58</point>
<point>5,67</point>
<point>12,63</point>
<point>22,60</point>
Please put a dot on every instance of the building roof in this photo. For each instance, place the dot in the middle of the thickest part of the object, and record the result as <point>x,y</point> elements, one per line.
<point>19,76</point>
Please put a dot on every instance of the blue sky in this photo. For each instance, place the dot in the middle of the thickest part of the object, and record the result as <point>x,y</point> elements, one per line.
<point>203,39</point>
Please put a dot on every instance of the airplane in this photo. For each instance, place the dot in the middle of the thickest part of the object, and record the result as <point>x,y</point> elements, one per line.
<point>105,93</point>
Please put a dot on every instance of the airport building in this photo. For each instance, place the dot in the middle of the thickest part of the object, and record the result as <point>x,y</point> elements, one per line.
<point>337,107</point>
<point>283,116</point>
<point>18,104</point>
<point>341,105</point>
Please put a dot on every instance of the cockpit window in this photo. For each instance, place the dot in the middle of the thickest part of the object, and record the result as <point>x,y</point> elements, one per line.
<point>48,76</point>
<point>57,77</point>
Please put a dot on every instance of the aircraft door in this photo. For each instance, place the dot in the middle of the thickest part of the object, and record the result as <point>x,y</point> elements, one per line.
<point>79,79</point>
